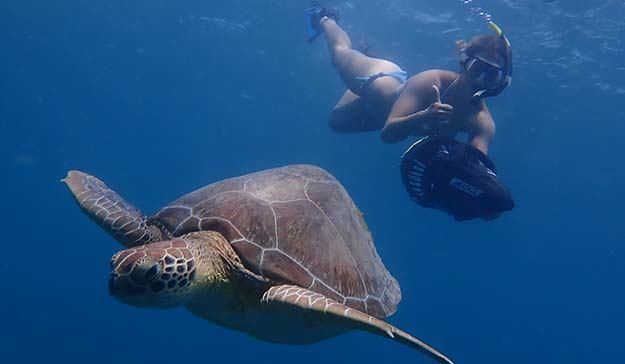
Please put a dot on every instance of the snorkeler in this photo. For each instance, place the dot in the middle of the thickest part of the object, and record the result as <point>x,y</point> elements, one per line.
<point>437,171</point>
<point>380,95</point>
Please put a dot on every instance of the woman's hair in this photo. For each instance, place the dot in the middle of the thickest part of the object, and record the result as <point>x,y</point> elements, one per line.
<point>491,47</point>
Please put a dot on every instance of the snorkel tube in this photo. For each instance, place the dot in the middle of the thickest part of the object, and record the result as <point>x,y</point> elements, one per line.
<point>507,68</point>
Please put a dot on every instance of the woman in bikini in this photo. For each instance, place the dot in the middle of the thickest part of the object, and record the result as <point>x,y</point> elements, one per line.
<point>380,96</point>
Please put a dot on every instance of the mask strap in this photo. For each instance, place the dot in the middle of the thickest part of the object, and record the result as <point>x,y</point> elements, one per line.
<point>464,57</point>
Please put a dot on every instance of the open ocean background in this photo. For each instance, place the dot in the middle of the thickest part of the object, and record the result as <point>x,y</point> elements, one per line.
<point>159,98</point>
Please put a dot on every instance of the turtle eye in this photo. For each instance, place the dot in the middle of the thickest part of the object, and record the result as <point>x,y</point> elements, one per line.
<point>152,272</point>
<point>145,273</point>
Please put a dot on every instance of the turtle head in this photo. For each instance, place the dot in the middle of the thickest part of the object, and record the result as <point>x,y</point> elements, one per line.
<point>156,275</point>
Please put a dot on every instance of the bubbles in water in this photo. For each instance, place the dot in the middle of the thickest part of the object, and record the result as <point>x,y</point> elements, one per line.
<point>478,11</point>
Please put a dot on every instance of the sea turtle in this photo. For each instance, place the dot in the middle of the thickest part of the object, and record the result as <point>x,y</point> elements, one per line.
<point>282,254</point>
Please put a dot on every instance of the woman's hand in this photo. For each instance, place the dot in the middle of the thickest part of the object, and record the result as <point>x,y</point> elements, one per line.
<point>438,111</point>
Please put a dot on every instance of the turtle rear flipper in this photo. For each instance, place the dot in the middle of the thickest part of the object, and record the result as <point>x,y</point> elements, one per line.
<point>109,210</point>
<point>309,301</point>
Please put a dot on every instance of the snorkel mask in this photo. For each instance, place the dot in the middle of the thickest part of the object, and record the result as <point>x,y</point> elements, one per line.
<point>493,75</point>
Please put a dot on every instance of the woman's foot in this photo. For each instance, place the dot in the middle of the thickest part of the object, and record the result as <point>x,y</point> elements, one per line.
<point>317,14</point>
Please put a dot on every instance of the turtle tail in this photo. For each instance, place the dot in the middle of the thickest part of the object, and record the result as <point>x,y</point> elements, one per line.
<point>109,210</point>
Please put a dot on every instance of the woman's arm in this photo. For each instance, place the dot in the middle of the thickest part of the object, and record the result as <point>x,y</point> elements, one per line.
<point>483,129</point>
<point>418,105</point>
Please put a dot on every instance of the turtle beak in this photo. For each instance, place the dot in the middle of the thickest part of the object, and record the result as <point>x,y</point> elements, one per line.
<point>126,280</point>
<point>114,286</point>
<point>122,287</point>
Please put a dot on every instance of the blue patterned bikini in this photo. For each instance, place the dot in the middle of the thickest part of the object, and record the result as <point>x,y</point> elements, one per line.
<point>400,75</point>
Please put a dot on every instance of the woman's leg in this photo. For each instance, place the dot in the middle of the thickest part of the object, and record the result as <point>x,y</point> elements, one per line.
<point>358,109</point>
<point>350,64</point>
<point>351,115</point>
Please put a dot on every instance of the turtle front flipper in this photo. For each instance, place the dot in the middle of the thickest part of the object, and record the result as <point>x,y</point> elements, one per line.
<point>307,300</point>
<point>109,210</point>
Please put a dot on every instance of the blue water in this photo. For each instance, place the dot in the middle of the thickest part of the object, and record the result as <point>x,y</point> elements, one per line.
<point>158,98</point>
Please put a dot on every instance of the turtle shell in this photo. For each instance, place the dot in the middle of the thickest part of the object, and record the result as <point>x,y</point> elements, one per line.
<point>292,225</point>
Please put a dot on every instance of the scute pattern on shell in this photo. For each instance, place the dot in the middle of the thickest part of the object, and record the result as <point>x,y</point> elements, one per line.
<point>295,225</point>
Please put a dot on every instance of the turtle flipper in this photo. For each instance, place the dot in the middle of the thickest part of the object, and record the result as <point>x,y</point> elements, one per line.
<point>109,210</point>
<point>305,299</point>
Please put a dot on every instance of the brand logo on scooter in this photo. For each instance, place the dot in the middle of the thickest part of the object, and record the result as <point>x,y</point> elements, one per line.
<point>465,187</point>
